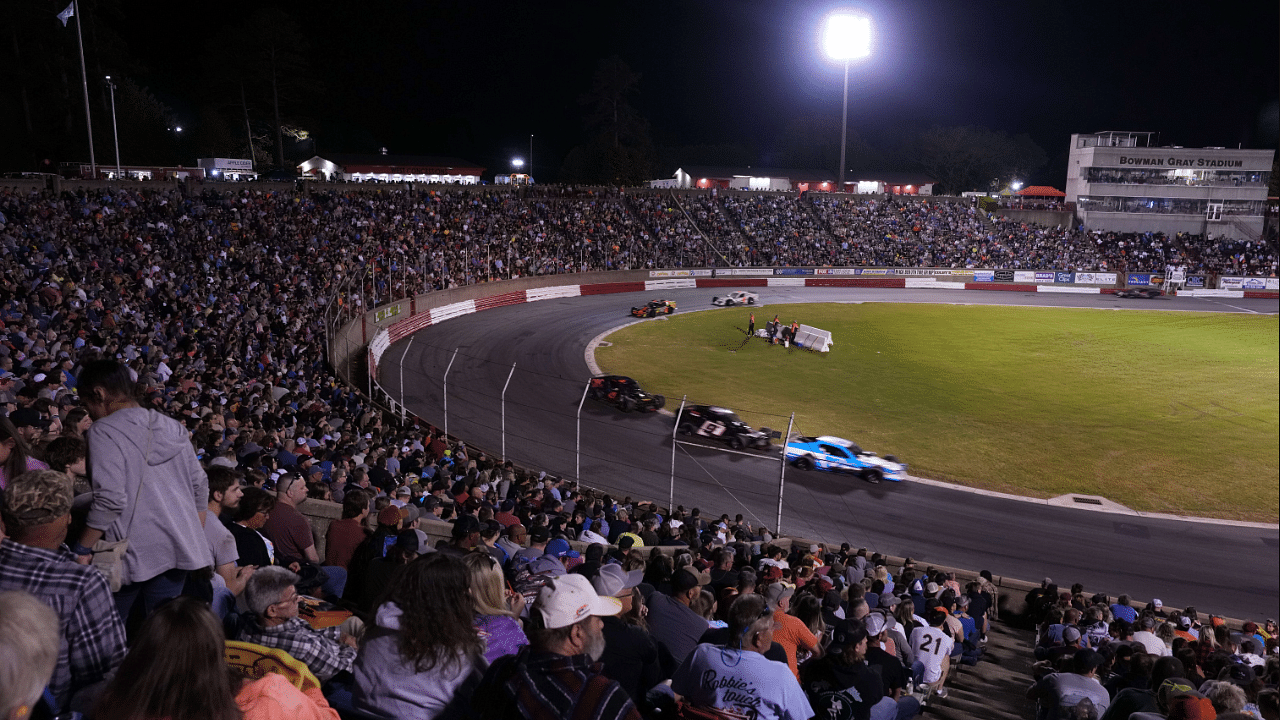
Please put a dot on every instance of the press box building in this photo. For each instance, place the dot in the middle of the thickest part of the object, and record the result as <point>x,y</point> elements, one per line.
<point>1119,181</point>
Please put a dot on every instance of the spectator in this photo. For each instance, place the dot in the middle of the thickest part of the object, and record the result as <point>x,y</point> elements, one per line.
<point>1123,611</point>
<point>791,632</point>
<point>345,535</point>
<point>422,646</point>
<point>673,623</point>
<point>497,610</point>
<point>228,579</point>
<point>176,671</point>
<point>631,655</point>
<point>380,573</point>
<point>291,533</point>
<point>558,674</point>
<point>15,454</point>
<point>892,673</point>
<point>148,488</point>
<point>253,548</point>
<point>1071,694</point>
<point>273,621</point>
<point>37,511</point>
<point>67,454</point>
<point>28,655</point>
<point>930,652</point>
<point>737,677</point>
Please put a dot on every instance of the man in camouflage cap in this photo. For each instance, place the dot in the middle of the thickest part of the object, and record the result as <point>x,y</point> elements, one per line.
<point>37,511</point>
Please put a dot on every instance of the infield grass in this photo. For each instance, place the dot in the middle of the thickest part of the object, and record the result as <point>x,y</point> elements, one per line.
<point>1159,411</point>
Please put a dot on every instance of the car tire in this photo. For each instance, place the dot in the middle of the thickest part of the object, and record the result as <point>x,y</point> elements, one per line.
<point>751,301</point>
<point>659,401</point>
<point>627,404</point>
<point>892,458</point>
<point>735,442</point>
<point>804,463</point>
<point>728,303</point>
<point>873,476</point>
<point>685,429</point>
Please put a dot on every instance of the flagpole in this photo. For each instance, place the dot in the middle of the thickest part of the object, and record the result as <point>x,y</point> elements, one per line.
<point>84,78</point>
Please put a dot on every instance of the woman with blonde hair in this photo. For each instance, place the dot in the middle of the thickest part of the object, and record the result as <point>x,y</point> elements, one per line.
<point>497,609</point>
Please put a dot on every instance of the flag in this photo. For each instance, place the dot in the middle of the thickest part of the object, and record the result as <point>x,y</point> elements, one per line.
<point>66,15</point>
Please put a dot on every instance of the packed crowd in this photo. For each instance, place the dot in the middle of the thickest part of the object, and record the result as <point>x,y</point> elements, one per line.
<point>1102,657</point>
<point>158,347</point>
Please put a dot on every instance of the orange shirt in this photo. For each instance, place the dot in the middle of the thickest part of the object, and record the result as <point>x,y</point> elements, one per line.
<point>791,634</point>
<point>275,698</point>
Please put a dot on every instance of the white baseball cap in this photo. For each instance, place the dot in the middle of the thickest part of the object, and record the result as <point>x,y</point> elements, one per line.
<point>613,581</point>
<point>569,599</point>
<point>875,624</point>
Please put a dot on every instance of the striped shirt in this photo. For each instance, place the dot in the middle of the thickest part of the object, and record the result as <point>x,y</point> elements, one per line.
<point>92,636</point>
<point>546,686</point>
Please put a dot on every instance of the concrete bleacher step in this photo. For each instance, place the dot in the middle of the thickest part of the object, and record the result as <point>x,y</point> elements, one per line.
<point>995,688</point>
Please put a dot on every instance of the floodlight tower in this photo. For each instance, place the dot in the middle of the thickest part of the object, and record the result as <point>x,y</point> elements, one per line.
<point>846,36</point>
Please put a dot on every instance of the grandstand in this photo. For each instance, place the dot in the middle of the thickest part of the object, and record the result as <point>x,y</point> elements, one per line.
<point>224,302</point>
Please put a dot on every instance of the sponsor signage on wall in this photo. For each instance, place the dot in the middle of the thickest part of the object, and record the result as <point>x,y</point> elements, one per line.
<point>1139,279</point>
<point>984,276</point>
<point>1004,276</point>
<point>1096,278</point>
<point>1248,283</point>
<point>386,312</point>
<point>836,271</point>
<point>923,271</point>
<point>1195,281</point>
<point>743,271</point>
<point>1200,162</point>
<point>679,273</point>
<point>1024,276</point>
<point>1064,277</point>
<point>1044,277</point>
<point>873,271</point>
<point>793,271</point>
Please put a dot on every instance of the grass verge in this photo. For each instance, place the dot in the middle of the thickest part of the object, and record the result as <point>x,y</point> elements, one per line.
<point>1162,412</point>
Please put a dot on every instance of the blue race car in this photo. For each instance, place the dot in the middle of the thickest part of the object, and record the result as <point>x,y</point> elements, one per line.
<point>840,455</point>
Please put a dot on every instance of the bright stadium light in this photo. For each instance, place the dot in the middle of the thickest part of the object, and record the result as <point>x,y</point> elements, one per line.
<point>517,163</point>
<point>846,36</point>
<point>1016,185</point>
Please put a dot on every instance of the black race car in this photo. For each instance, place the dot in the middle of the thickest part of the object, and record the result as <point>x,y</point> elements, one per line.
<point>623,393</point>
<point>1138,292</point>
<point>721,424</point>
<point>654,308</point>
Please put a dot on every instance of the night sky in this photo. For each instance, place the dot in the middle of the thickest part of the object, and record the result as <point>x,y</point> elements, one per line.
<point>475,79</point>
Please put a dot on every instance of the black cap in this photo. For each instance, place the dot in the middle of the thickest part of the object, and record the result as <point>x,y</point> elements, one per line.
<point>539,534</point>
<point>465,525</point>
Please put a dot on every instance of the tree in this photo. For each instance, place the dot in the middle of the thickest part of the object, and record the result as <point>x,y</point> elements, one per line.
<point>620,152</point>
<point>966,158</point>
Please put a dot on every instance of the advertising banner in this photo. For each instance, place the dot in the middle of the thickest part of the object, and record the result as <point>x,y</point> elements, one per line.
<point>1044,277</point>
<point>1096,278</point>
<point>836,271</point>
<point>984,276</point>
<point>386,313</point>
<point>679,273</point>
<point>1024,276</point>
<point>1248,283</point>
<point>743,271</point>
<point>1139,279</point>
<point>873,271</point>
<point>922,271</point>
<point>793,271</point>
<point>1004,276</point>
<point>1195,281</point>
<point>1064,277</point>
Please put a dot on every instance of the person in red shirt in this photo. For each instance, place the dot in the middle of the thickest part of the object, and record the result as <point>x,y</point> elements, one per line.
<point>345,535</point>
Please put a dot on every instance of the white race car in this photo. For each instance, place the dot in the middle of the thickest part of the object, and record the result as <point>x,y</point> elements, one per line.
<point>737,297</point>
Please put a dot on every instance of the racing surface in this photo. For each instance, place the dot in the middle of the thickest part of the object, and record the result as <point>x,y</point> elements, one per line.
<point>1218,568</point>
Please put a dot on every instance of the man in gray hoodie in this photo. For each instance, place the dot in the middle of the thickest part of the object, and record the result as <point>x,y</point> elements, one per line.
<point>148,487</point>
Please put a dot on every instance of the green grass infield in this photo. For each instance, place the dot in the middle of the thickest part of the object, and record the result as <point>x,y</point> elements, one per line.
<point>1165,412</point>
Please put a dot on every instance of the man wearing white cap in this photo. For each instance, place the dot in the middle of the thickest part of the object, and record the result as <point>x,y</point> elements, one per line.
<point>558,674</point>
<point>631,655</point>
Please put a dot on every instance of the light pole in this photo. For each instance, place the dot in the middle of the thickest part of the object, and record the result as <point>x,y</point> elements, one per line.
<point>531,158</point>
<point>114,130</point>
<point>846,36</point>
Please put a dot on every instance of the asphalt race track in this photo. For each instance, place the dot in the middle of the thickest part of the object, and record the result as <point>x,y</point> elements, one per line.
<point>1219,568</point>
